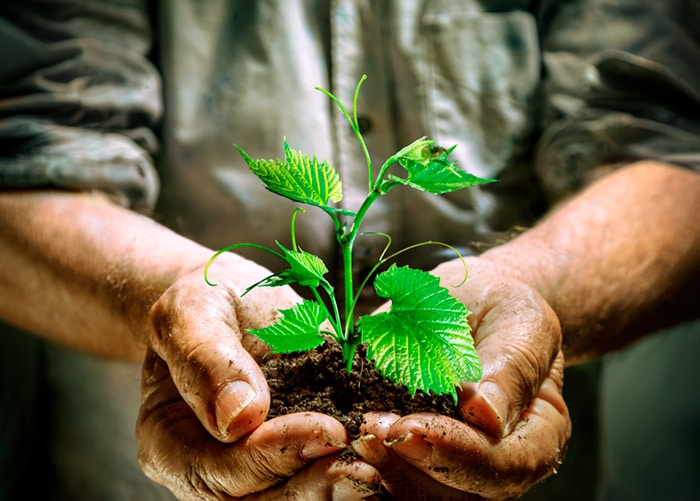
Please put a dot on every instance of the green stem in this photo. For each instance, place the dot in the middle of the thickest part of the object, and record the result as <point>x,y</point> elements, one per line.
<point>352,120</point>
<point>292,229</point>
<point>334,318</point>
<point>233,247</point>
<point>356,128</point>
<point>349,292</point>
<point>347,239</point>
<point>354,230</point>
<point>383,259</point>
<point>347,243</point>
<point>337,225</point>
<point>349,353</point>
<point>381,174</point>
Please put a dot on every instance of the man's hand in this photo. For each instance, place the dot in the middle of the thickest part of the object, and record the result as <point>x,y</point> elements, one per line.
<point>612,264</point>
<point>333,478</point>
<point>202,429</point>
<point>88,274</point>
<point>516,422</point>
<point>178,452</point>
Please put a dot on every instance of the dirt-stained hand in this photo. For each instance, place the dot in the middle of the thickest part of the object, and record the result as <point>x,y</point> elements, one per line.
<point>516,425</point>
<point>330,478</point>
<point>201,429</point>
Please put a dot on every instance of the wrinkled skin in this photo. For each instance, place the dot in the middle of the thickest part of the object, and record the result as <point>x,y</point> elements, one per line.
<point>516,422</point>
<point>103,280</point>
<point>194,332</point>
<point>602,270</point>
<point>198,330</point>
<point>127,288</point>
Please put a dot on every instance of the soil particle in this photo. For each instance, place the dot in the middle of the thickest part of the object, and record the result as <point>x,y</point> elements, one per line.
<point>318,381</point>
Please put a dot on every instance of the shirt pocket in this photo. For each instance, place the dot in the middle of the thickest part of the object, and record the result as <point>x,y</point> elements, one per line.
<point>480,72</point>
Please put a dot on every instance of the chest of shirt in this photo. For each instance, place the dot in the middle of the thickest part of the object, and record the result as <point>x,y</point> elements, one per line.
<point>246,72</point>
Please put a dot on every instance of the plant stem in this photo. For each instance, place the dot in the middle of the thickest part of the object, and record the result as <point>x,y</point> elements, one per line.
<point>356,128</point>
<point>333,318</point>
<point>349,353</point>
<point>347,242</point>
<point>349,343</point>
<point>352,120</point>
<point>347,239</point>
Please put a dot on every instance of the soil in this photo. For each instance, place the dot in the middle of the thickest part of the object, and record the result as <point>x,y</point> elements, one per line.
<point>318,381</point>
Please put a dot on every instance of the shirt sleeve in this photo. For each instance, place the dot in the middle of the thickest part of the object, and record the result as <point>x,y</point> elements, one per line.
<point>79,98</point>
<point>622,83</point>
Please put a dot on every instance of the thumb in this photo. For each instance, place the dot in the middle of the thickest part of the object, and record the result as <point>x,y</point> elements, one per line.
<point>196,331</point>
<point>519,342</point>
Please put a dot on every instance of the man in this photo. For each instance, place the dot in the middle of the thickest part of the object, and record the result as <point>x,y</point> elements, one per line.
<point>537,98</point>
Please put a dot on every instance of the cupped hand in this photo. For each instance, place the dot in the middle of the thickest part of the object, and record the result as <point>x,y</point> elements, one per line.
<point>274,461</point>
<point>332,477</point>
<point>201,429</point>
<point>516,425</point>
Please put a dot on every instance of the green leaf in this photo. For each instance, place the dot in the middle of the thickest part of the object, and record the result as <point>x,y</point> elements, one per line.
<point>299,177</point>
<point>304,268</point>
<point>424,341</point>
<point>430,169</point>
<point>297,330</point>
<point>416,150</point>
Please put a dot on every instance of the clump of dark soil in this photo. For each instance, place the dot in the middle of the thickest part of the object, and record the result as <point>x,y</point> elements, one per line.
<point>318,381</point>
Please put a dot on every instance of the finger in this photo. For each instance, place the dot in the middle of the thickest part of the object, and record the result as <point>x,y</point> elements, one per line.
<point>197,330</point>
<point>517,337</point>
<point>373,432</point>
<point>329,478</point>
<point>176,451</point>
<point>465,458</point>
<point>400,478</point>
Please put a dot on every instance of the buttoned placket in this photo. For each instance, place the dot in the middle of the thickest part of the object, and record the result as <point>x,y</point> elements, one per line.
<point>359,46</point>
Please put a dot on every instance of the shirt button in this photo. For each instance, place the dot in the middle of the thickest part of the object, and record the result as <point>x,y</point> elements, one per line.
<point>364,124</point>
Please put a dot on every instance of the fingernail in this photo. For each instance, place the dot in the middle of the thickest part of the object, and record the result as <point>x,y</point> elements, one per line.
<point>494,397</point>
<point>321,446</point>
<point>347,490</point>
<point>231,400</point>
<point>371,449</point>
<point>411,446</point>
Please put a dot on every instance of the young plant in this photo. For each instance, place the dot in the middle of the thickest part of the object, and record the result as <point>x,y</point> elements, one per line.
<point>423,341</point>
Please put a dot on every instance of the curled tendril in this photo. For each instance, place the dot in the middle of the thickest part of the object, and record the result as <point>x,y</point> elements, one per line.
<point>234,247</point>
<point>383,258</point>
<point>292,228</point>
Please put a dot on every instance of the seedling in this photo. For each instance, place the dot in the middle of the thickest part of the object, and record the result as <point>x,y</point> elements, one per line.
<point>423,341</point>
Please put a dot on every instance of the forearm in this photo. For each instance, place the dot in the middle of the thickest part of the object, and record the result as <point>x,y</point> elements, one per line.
<point>84,272</point>
<point>618,261</point>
